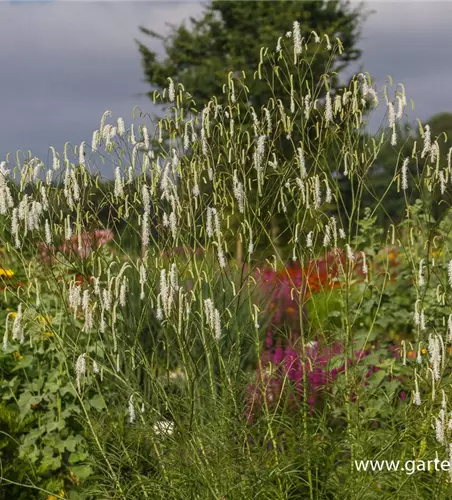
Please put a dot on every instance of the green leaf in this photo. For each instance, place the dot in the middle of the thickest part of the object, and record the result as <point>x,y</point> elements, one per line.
<point>50,463</point>
<point>97,402</point>
<point>32,436</point>
<point>70,410</point>
<point>23,363</point>
<point>78,456</point>
<point>71,442</point>
<point>56,425</point>
<point>73,495</point>
<point>82,471</point>
<point>52,387</point>
<point>67,389</point>
<point>377,377</point>
<point>25,401</point>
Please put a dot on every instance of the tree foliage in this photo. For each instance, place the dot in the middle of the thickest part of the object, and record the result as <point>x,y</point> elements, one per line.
<point>391,210</point>
<point>202,55</point>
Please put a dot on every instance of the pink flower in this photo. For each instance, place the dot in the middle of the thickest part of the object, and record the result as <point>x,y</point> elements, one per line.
<point>103,236</point>
<point>88,240</point>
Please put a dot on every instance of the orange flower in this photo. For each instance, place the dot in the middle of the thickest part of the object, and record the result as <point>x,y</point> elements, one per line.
<point>392,256</point>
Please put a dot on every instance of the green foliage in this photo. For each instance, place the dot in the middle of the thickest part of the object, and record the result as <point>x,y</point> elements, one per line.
<point>202,55</point>
<point>43,443</point>
<point>384,186</point>
<point>147,359</point>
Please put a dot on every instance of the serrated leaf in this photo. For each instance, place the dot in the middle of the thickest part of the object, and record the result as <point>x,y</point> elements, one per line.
<point>72,441</point>
<point>78,456</point>
<point>56,425</point>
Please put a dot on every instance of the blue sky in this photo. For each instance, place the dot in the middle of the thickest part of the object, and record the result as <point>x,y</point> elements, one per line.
<point>62,64</point>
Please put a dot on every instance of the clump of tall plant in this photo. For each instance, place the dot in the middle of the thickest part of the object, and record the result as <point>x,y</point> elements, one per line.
<point>162,328</point>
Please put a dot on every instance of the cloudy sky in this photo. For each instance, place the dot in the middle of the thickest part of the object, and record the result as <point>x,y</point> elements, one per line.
<point>62,64</point>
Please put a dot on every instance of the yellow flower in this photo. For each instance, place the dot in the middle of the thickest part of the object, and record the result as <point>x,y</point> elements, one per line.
<point>18,356</point>
<point>47,334</point>
<point>424,350</point>
<point>53,497</point>
<point>8,273</point>
<point>44,319</point>
<point>13,315</point>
